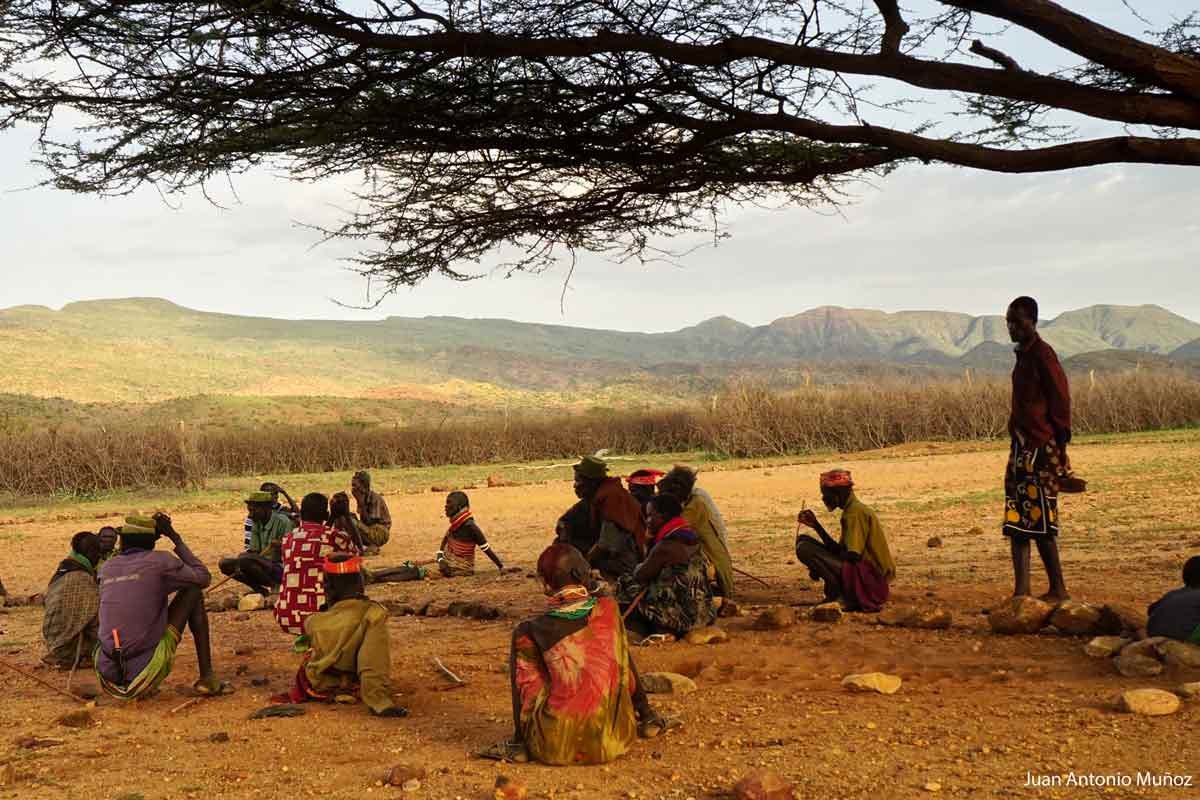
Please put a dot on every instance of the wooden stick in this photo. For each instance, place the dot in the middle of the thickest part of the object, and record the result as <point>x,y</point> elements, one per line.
<point>218,585</point>
<point>634,604</point>
<point>751,577</point>
<point>445,671</point>
<point>187,703</point>
<point>45,683</point>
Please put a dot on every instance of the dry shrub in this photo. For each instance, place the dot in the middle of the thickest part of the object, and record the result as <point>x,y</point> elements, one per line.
<point>747,419</point>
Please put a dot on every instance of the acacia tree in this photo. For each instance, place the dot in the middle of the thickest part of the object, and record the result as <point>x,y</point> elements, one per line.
<point>595,124</point>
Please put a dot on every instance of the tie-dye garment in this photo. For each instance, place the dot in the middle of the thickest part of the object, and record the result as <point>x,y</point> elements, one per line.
<point>573,683</point>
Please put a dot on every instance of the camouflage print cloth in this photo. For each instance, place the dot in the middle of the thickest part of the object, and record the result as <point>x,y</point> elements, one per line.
<point>72,605</point>
<point>679,600</point>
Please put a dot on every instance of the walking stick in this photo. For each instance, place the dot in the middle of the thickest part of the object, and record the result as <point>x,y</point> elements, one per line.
<point>218,585</point>
<point>634,604</point>
<point>45,683</point>
<point>751,577</point>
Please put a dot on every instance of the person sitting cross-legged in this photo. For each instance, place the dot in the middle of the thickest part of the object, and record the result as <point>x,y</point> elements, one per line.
<point>1176,614</point>
<point>349,656</point>
<point>669,592</point>
<point>576,696</point>
<point>140,622</point>
<point>856,570</point>
<point>456,555</point>
<point>72,604</point>
<point>260,567</point>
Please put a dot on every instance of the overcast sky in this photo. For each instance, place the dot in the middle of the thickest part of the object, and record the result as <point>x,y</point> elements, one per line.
<point>924,238</point>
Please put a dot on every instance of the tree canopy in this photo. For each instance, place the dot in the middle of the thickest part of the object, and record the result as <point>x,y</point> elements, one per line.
<point>545,127</point>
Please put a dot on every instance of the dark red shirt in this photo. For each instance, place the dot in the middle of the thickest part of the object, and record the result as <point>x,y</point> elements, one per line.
<point>1041,397</point>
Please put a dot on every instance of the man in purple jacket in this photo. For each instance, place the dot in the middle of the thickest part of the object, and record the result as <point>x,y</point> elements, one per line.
<point>139,628</point>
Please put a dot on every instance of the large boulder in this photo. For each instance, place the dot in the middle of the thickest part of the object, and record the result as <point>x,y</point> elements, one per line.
<point>1149,702</point>
<point>1118,620</point>
<point>1180,654</point>
<point>872,682</point>
<point>1105,646</point>
<point>1020,615</point>
<point>1076,618</point>
<point>1133,665</point>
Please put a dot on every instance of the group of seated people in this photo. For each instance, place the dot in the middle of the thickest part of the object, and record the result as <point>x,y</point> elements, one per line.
<point>627,563</point>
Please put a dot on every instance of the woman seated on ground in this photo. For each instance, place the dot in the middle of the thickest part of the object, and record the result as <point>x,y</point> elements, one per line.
<point>669,592</point>
<point>575,691</point>
<point>1176,614</point>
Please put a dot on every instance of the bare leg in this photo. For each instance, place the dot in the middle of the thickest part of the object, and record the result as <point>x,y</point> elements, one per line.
<point>1048,550</point>
<point>187,611</point>
<point>1020,559</point>
<point>822,564</point>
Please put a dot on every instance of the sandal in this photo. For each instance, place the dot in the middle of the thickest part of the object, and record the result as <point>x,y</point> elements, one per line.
<point>212,688</point>
<point>657,725</point>
<point>655,638</point>
<point>506,750</point>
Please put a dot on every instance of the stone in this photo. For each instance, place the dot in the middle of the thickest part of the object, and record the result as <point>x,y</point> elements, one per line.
<point>220,737</point>
<point>1145,647</point>
<point>936,619</point>
<point>879,682</point>
<point>934,541</point>
<point>933,786</point>
<point>976,531</point>
<point>241,618</point>
<point>472,609</point>
<point>403,773</point>
<point>1132,665</point>
<point>441,488</point>
<point>775,618</point>
<point>507,788</point>
<point>243,650</point>
<point>1020,615</point>
<point>763,784</point>
<point>710,635</point>
<point>261,680</point>
<point>1105,646</point>
<point>251,602</point>
<point>896,615</point>
<point>1149,702</point>
<point>728,608</point>
<point>1118,620</point>
<point>827,612</point>
<point>667,683</point>
<point>436,610</point>
<point>495,480</point>
<point>1076,619</point>
<point>1188,691</point>
<point>1180,654</point>
<point>77,719</point>
<point>411,786</point>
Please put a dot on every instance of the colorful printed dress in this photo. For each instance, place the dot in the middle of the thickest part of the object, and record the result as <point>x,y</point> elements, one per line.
<point>302,591</point>
<point>678,596</point>
<point>574,683</point>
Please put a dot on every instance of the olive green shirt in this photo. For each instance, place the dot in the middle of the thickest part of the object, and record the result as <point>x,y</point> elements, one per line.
<point>266,538</point>
<point>863,534</point>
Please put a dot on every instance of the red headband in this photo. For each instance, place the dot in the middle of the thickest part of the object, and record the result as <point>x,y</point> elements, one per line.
<point>348,567</point>
<point>836,478</point>
<point>645,477</point>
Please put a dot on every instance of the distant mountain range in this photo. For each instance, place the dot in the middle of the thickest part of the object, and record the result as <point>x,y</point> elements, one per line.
<point>148,350</point>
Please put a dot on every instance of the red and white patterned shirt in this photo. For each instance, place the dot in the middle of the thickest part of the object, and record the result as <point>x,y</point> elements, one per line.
<point>303,589</point>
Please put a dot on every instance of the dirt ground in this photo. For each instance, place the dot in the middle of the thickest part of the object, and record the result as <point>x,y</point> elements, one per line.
<point>977,713</point>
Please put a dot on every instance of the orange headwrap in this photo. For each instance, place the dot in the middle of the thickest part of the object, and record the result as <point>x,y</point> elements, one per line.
<point>836,478</point>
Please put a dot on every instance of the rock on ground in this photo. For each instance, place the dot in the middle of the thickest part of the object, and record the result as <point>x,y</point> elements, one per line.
<point>509,789</point>
<point>473,610</point>
<point>1145,647</point>
<point>710,635</point>
<point>827,612</point>
<point>1076,618</point>
<point>1020,615</point>
<point>1105,646</point>
<point>77,719</point>
<point>1189,691</point>
<point>1180,654</point>
<point>934,619</point>
<point>667,683</point>
<point>872,682</point>
<point>934,541</point>
<point>763,784</point>
<point>775,618</point>
<point>1149,702</point>
<point>1133,665</point>
<point>1118,620</point>
<point>251,602</point>
<point>896,615</point>
<point>403,773</point>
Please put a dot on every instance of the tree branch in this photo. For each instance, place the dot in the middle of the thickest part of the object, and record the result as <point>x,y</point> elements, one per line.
<point>894,27</point>
<point>992,54</point>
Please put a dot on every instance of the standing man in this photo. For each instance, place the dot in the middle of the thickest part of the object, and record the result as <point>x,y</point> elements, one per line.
<point>1040,427</point>
<point>261,565</point>
<point>140,622</point>
<point>374,519</point>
